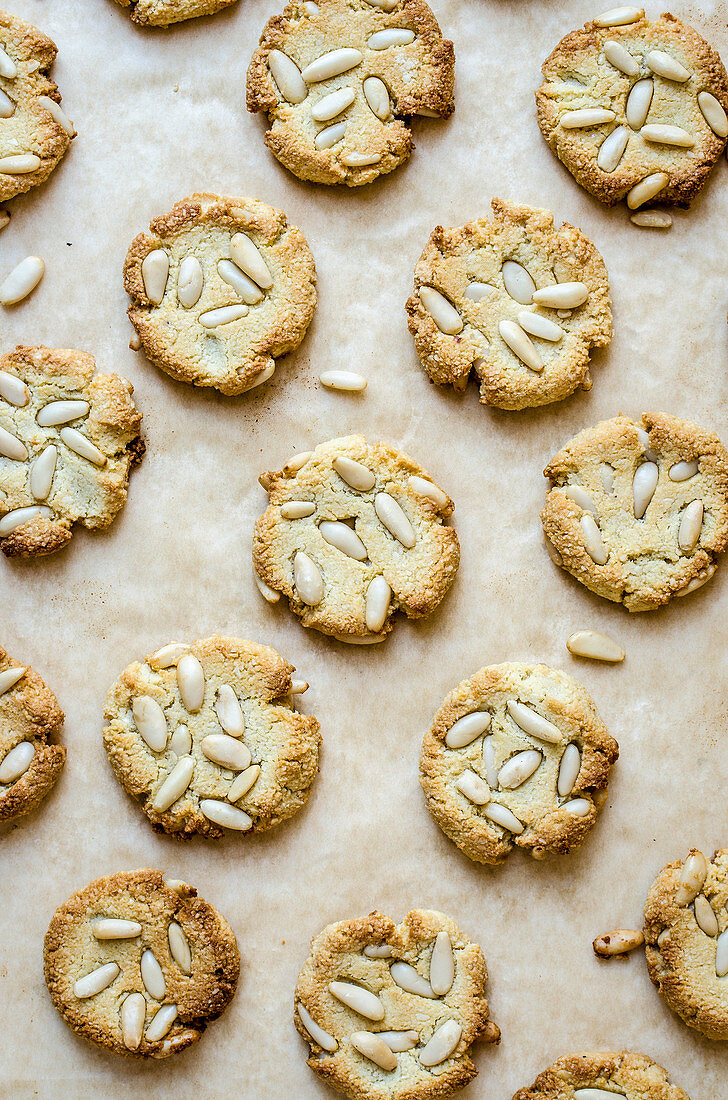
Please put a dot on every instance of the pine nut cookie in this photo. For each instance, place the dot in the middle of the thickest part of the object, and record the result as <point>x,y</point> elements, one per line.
<point>516,755</point>
<point>603,1075</point>
<point>140,965</point>
<point>161,13</point>
<point>34,131</point>
<point>514,299</point>
<point>339,81</point>
<point>221,289</point>
<point>206,738</point>
<point>390,1011</point>
<point>686,940</point>
<point>30,723</point>
<point>354,532</point>
<point>635,110</point>
<point>68,441</point>
<point>638,510</point>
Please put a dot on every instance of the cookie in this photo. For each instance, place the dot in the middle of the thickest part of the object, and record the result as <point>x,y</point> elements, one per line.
<point>636,110</point>
<point>686,940</point>
<point>390,1011</point>
<point>514,299</point>
<point>68,439</point>
<point>206,738</point>
<point>221,289</point>
<point>339,80</point>
<point>34,131</point>
<point>353,533</point>
<point>30,723</point>
<point>516,755</point>
<point>140,965</point>
<point>638,511</point>
<point>603,1075</point>
<point>160,13</point>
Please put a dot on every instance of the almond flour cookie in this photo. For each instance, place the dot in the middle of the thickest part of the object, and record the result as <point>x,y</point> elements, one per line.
<point>515,299</point>
<point>160,13</point>
<point>635,110</point>
<point>68,439</point>
<point>390,1011</point>
<point>338,80</point>
<point>140,965</point>
<point>221,289</point>
<point>206,738</point>
<point>354,532</point>
<point>516,755</point>
<point>686,940</point>
<point>34,131</point>
<point>30,722</point>
<point>638,511</point>
<point>603,1075</point>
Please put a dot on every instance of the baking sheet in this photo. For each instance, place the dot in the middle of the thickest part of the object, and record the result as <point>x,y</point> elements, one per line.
<point>161,114</point>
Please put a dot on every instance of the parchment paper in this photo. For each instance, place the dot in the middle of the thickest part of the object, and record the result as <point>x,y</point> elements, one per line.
<point>161,114</point>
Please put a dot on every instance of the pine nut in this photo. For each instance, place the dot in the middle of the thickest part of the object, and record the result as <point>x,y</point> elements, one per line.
<point>228,817</point>
<point>180,743</point>
<point>519,768</point>
<point>668,135</point>
<point>442,311</point>
<point>638,102</point>
<point>569,769</point>
<point>691,878</point>
<point>466,729</point>
<point>502,816</point>
<point>239,281</point>
<point>714,114</point>
<point>155,272</point>
<point>721,955</point>
<point>537,325</point>
<point>222,316</point>
<point>442,965</point>
<point>175,785</point>
<point>533,723</point>
<point>61,412</point>
<point>681,471</point>
<point>226,751</point>
<point>518,282</point>
<point>666,66</point>
<point>191,682</point>
<point>12,447</point>
<point>243,783</point>
<point>344,380</point>
<point>12,520</point>
<point>269,594</point>
<point>17,761</point>
<point>7,106</point>
<point>287,76</point>
<point>133,1014</point>
<point>705,916</point>
<point>580,497</point>
<point>590,643</point>
<point>8,68</point>
<point>491,771</point>
<point>109,928</point>
<point>22,280</point>
<point>691,523</point>
<point>355,474</point>
<point>425,488</point>
<point>190,282</point>
<point>593,541</point>
<point>586,117</point>
<point>407,978</point>
<point>324,1040</point>
<point>161,1023</point>
<point>297,509</point>
<point>442,1044</point>
<point>307,579</point>
<point>378,598</point>
<point>229,712</point>
<point>395,520</point>
<point>358,999</point>
<point>152,976</point>
<point>612,149</point>
<point>619,17</point>
<point>168,655</point>
<point>520,344</point>
<point>391,36</point>
<point>643,487</point>
<point>651,219</point>
<point>96,981</point>
<point>9,678</point>
<point>247,256</point>
<point>332,104</point>
<point>13,390</point>
<point>376,94</point>
<point>57,114</point>
<point>646,189</point>
<point>374,1048</point>
<point>475,789</point>
<point>477,291</point>
<point>619,942</point>
<point>150,721</point>
<point>329,137</point>
<point>621,58</point>
<point>42,473</point>
<point>81,445</point>
<point>561,295</point>
<point>331,64</point>
<point>399,1041</point>
<point>19,164</point>
<point>580,807</point>
<point>179,947</point>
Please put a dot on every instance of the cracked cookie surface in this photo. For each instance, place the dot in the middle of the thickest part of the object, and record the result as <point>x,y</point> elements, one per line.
<point>30,723</point>
<point>161,13</point>
<point>205,737</point>
<point>517,755</point>
<point>221,287</point>
<point>34,130</point>
<point>599,1075</point>
<point>635,111</point>
<point>686,940</point>
<point>68,440</point>
<point>138,964</point>
<point>389,1011</point>
<point>354,532</point>
<point>638,510</point>
<point>475,307</point>
<point>339,80</point>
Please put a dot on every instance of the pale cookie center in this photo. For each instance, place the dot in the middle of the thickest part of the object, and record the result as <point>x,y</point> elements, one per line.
<point>424,1035</point>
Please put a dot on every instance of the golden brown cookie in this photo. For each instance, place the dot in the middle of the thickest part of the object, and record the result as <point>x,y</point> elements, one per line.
<point>354,532</point>
<point>635,110</point>
<point>30,723</point>
<point>516,755</point>
<point>34,131</point>
<point>603,1075</point>
<point>68,440</point>
<point>140,965</point>
<point>339,80</point>
<point>221,289</point>
<point>206,738</point>
<point>686,940</point>
<point>638,510</point>
<point>161,13</point>
<point>514,299</point>
<point>390,1011</point>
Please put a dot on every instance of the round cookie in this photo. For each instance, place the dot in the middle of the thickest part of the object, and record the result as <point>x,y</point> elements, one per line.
<point>476,307</point>
<point>161,13</point>
<point>339,79</point>
<point>354,532</point>
<point>516,755</point>
<point>637,110</point>
<point>638,511</point>
<point>221,289</point>
<point>390,1011</point>
<point>206,738</point>
<point>34,131</point>
<point>603,1075</point>
<point>686,940</point>
<point>140,965</point>
<point>30,722</point>
<point>68,439</point>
